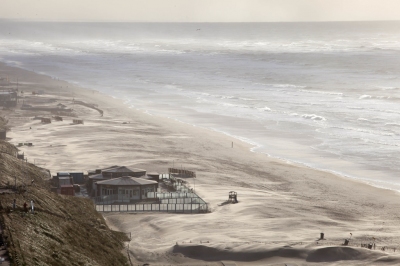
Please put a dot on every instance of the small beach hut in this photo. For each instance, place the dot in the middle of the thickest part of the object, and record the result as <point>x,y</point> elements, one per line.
<point>154,176</point>
<point>67,190</point>
<point>77,177</point>
<point>64,178</point>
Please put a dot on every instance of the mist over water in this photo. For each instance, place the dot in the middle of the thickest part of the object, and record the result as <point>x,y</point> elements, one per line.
<point>322,94</point>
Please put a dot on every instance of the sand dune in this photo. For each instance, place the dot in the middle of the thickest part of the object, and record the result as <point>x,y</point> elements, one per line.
<point>249,253</point>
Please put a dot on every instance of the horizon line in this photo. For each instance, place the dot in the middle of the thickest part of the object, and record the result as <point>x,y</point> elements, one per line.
<point>222,22</point>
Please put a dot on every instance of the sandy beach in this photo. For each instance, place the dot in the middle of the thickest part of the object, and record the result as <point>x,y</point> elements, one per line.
<point>282,207</point>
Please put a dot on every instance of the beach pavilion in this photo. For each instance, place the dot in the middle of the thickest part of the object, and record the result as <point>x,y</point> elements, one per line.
<point>121,171</point>
<point>125,189</point>
<point>109,173</point>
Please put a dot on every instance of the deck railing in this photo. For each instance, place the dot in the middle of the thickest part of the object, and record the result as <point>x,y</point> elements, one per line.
<point>154,207</point>
<point>176,202</point>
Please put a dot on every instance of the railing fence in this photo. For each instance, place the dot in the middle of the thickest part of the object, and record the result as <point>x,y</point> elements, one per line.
<point>154,207</point>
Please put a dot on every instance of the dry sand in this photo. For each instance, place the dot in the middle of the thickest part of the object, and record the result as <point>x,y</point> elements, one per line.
<point>282,207</point>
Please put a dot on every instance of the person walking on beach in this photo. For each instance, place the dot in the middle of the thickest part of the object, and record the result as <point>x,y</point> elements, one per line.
<point>25,207</point>
<point>32,206</point>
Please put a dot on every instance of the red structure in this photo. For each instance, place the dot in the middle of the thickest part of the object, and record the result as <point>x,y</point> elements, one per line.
<point>67,190</point>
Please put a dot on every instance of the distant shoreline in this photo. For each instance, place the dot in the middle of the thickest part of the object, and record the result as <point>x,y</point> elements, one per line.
<point>252,146</point>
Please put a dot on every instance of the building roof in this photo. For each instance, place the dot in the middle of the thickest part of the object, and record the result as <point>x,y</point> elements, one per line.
<point>127,181</point>
<point>153,173</point>
<point>63,177</point>
<point>122,169</point>
<point>97,177</point>
<point>62,174</point>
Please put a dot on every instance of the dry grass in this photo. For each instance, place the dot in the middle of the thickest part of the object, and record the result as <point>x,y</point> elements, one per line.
<point>64,230</point>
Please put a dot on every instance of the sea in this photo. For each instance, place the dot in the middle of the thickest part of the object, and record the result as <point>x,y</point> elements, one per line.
<point>325,95</point>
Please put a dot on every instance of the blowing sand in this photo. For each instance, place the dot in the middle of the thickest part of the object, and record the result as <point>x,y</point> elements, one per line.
<point>282,207</point>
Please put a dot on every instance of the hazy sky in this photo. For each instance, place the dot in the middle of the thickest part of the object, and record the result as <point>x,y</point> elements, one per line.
<point>200,10</point>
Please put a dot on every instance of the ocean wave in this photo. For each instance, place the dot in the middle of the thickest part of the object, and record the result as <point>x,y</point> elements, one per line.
<point>234,105</point>
<point>264,108</point>
<point>226,97</point>
<point>165,51</point>
<point>365,96</point>
<point>285,86</point>
<point>387,88</point>
<point>392,125</point>
<point>218,96</point>
<point>314,117</point>
<point>322,92</point>
<point>370,132</point>
<point>246,99</point>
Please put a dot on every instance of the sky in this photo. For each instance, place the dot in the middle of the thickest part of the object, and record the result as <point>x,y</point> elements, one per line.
<point>200,10</point>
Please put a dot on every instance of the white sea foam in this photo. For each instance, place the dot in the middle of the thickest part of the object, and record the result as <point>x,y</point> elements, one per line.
<point>355,107</point>
<point>286,86</point>
<point>264,108</point>
<point>314,117</point>
<point>365,96</point>
<point>246,99</point>
<point>234,105</point>
<point>388,88</point>
<point>322,92</point>
<point>392,124</point>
